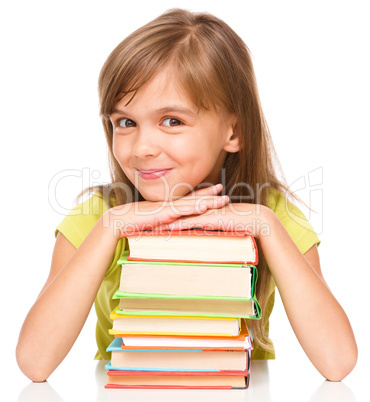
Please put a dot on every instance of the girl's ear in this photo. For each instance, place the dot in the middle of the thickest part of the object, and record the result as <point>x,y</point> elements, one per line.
<point>232,138</point>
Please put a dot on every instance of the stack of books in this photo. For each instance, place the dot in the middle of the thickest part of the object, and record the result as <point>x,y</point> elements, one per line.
<point>183,300</point>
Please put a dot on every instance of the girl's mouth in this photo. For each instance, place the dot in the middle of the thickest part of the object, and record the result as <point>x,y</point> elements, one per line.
<point>153,174</point>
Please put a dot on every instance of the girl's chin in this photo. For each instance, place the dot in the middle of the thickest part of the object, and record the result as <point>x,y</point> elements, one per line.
<point>154,196</point>
<point>165,196</point>
<point>159,198</point>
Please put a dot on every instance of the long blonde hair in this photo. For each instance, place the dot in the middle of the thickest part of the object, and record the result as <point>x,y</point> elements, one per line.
<point>215,68</point>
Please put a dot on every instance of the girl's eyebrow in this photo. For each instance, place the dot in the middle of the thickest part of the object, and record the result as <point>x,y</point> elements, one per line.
<point>176,109</point>
<point>116,111</point>
<point>164,110</point>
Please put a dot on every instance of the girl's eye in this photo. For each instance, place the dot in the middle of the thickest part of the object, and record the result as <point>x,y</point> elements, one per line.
<point>126,123</point>
<point>171,122</point>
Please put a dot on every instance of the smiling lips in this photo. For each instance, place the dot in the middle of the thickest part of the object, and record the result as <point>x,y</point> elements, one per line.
<point>153,174</point>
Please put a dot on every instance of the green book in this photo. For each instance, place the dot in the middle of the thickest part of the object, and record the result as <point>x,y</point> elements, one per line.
<point>187,289</point>
<point>186,306</point>
<point>188,279</point>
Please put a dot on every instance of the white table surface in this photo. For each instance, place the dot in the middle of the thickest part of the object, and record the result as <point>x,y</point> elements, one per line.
<point>270,381</point>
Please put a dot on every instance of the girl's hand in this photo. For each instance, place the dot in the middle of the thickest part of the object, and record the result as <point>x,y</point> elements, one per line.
<point>241,217</point>
<point>142,215</point>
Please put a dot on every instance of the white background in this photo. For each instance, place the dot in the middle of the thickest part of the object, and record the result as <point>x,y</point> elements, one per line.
<point>312,65</point>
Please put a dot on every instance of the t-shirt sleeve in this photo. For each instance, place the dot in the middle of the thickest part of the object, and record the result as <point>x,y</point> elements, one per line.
<point>294,221</point>
<point>81,219</point>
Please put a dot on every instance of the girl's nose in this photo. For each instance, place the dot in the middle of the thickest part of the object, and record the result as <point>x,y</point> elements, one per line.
<point>146,144</point>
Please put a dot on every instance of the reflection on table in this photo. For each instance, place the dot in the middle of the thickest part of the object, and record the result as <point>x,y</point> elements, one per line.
<point>267,384</point>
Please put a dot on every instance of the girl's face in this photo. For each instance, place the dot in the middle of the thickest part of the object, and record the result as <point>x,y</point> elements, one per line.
<point>164,145</point>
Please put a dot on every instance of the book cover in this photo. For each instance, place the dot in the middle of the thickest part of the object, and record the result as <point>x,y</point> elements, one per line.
<point>186,306</point>
<point>164,325</point>
<point>186,278</point>
<point>165,245</point>
<point>178,380</point>
<point>180,360</point>
<point>241,342</point>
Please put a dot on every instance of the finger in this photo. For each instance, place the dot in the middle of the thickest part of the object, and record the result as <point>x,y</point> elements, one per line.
<point>183,226</point>
<point>211,190</point>
<point>191,222</point>
<point>176,211</point>
<point>214,202</point>
<point>201,204</point>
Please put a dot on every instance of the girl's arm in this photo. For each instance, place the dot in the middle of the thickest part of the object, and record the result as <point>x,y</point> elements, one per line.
<point>319,322</point>
<point>75,277</point>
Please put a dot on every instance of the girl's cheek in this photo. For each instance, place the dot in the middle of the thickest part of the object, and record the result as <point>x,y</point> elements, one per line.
<point>119,148</point>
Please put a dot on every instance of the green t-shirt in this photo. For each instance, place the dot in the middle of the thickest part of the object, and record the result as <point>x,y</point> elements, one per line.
<point>81,219</point>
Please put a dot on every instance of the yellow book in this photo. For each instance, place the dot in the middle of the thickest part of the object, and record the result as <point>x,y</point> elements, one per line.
<point>175,325</point>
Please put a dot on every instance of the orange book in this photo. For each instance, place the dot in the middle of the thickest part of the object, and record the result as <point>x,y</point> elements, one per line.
<point>178,380</point>
<point>144,342</point>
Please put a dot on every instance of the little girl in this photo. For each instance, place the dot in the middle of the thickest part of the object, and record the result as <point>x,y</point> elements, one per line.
<point>184,125</point>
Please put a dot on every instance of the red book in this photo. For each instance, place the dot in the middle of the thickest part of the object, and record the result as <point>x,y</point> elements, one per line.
<point>178,380</point>
<point>193,246</point>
